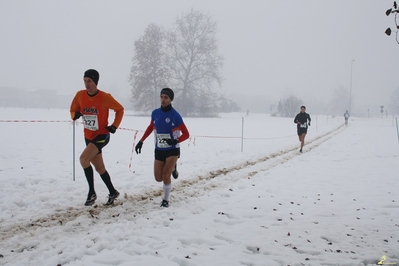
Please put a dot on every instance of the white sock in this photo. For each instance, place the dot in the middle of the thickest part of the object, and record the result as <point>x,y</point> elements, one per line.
<point>166,191</point>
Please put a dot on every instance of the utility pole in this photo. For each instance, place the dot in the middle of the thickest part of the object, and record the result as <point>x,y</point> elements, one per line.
<point>350,89</point>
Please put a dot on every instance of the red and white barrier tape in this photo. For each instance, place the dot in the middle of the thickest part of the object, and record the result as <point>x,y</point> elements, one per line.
<point>131,156</point>
<point>136,131</point>
<point>30,121</point>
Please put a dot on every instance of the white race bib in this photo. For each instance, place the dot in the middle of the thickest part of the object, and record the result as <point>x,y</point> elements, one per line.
<point>161,143</point>
<point>90,122</point>
<point>303,125</point>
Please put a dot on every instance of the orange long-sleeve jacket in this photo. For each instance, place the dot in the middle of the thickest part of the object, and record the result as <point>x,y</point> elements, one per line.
<point>95,112</point>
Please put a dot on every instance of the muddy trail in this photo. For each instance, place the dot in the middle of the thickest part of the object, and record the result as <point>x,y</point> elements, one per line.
<point>138,204</point>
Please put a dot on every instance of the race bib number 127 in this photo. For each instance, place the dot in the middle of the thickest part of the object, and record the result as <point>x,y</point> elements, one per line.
<point>90,122</point>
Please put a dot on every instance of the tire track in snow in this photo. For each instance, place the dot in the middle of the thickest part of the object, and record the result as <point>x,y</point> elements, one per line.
<point>138,204</point>
<point>222,178</point>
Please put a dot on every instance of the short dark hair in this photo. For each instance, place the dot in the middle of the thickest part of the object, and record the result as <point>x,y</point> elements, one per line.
<point>303,106</point>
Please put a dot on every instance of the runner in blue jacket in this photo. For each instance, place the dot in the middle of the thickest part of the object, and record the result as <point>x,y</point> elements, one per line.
<point>169,130</point>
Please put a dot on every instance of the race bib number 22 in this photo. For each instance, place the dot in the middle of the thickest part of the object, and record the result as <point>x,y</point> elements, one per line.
<point>161,143</point>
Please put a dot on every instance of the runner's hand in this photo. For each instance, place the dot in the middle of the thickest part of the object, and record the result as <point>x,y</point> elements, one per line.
<point>111,129</point>
<point>138,147</point>
<point>171,141</point>
<point>77,115</point>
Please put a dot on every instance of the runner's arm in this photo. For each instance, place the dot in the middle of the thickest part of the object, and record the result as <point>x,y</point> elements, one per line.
<point>113,104</point>
<point>147,132</point>
<point>75,106</point>
<point>184,133</point>
<point>296,119</point>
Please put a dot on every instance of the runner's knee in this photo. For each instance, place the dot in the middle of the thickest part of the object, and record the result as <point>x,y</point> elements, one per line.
<point>84,161</point>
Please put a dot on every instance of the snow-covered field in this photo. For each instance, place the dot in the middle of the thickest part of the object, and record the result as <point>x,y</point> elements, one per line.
<point>335,204</point>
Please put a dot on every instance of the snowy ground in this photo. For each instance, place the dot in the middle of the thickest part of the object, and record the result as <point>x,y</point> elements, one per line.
<point>335,204</point>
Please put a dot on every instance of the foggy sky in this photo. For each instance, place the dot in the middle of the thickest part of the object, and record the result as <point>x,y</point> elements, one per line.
<point>271,48</point>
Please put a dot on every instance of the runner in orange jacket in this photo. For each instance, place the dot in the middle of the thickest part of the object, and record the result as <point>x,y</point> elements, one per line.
<point>93,106</point>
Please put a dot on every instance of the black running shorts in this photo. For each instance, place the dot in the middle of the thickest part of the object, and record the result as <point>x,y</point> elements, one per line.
<point>161,155</point>
<point>302,130</point>
<point>100,141</point>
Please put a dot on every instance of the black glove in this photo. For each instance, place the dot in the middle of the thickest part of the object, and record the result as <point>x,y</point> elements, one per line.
<point>77,115</point>
<point>138,147</point>
<point>171,141</point>
<point>111,129</point>
<point>309,124</point>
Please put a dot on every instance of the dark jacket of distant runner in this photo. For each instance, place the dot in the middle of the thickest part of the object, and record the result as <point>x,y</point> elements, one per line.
<point>303,119</point>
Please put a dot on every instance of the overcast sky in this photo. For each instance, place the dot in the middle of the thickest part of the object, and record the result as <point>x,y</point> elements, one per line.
<point>271,48</point>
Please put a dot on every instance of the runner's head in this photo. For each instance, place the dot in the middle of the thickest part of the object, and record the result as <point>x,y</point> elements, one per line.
<point>168,92</point>
<point>303,108</point>
<point>93,75</point>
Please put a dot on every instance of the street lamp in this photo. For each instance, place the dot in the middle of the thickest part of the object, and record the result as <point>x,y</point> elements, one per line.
<point>350,90</point>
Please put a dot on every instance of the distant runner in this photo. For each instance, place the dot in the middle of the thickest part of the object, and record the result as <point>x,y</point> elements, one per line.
<point>301,120</point>
<point>346,116</point>
<point>93,106</point>
<point>169,130</point>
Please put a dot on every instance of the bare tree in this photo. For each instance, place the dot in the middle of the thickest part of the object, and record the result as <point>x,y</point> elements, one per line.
<point>227,105</point>
<point>393,10</point>
<point>149,72</point>
<point>289,106</point>
<point>194,61</point>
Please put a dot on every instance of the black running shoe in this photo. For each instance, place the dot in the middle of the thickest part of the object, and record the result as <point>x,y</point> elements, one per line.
<point>91,199</point>
<point>112,197</point>
<point>165,204</point>
<point>300,150</point>
<point>175,173</point>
